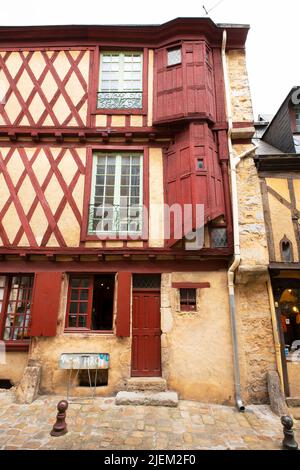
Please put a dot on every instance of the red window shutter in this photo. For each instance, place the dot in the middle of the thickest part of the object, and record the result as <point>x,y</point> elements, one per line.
<point>45,304</point>
<point>123,304</point>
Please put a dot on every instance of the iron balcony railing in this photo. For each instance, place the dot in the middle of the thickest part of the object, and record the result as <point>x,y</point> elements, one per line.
<point>115,219</point>
<point>120,99</point>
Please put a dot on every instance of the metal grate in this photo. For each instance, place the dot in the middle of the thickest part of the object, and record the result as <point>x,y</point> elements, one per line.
<point>146,281</point>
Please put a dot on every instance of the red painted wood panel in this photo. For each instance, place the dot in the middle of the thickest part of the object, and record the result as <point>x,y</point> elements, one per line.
<point>123,304</point>
<point>146,332</point>
<point>189,88</point>
<point>45,303</point>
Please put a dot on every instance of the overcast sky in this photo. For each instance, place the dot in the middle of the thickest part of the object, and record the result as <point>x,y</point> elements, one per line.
<point>272,52</point>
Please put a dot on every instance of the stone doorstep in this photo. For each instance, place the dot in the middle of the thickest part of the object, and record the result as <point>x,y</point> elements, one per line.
<point>138,384</point>
<point>293,402</point>
<point>169,399</point>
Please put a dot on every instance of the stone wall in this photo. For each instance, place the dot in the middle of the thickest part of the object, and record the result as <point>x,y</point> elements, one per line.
<point>240,91</point>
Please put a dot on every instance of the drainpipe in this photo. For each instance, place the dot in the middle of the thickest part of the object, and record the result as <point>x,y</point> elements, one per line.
<point>234,161</point>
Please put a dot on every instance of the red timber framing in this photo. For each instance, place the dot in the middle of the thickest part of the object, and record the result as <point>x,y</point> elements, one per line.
<point>25,215</point>
<point>39,92</point>
<point>88,181</point>
<point>76,129</point>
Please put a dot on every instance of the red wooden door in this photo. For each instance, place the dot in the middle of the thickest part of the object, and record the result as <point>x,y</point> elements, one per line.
<point>146,332</point>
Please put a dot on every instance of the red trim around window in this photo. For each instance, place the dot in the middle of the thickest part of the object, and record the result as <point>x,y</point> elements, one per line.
<point>18,344</point>
<point>95,83</point>
<point>84,236</point>
<point>191,285</point>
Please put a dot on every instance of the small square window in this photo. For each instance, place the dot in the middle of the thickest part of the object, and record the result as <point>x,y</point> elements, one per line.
<point>188,301</point>
<point>219,238</point>
<point>174,56</point>
<point>200,164</point>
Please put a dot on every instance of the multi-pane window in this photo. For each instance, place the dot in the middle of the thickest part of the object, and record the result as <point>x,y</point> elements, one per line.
<point>298,122</point>
<point>121,75</point>
<point>174,56</point>
<point>188,301</point>
<point>90,302</point>
<point>17,311</point>
<point>117,194</point>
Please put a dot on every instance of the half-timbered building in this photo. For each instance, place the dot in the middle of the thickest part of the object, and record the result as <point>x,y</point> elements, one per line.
<point>90,117</point>
<point>278,164</point>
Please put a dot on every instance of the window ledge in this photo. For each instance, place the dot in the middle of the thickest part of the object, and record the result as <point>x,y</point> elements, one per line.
<point>125,111</point>
<point>88,332</point>
<point>15,346</point>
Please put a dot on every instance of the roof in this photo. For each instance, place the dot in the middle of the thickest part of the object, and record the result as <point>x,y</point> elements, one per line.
<point>266,149</point>
<point>146,34</point>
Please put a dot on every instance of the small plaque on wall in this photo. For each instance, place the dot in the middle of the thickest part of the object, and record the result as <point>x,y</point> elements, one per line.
<point>84,361</point>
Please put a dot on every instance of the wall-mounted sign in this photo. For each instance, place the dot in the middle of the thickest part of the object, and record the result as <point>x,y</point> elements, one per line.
<point>84,361</point>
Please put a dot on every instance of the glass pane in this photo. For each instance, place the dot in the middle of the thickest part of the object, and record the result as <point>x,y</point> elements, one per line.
<point>74,294</point>
<point>84,294</point>
<point>72,321</point>
<point>73,307</point>
<point>75,282</point>
<point>82,321</point>
<point>83,307</point>
<point>174,56</point>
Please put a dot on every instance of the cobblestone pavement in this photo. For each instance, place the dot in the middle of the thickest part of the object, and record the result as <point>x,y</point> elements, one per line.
<point>103,425</point>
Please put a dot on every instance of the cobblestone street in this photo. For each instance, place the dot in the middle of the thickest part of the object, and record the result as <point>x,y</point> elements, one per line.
<point>103,425</point>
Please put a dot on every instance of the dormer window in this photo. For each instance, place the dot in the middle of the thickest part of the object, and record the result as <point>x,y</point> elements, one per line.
<point>298,120</point>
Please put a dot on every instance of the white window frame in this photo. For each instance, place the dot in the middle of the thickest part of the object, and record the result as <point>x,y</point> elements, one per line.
<point>117,190</point>
<point>121,80</point>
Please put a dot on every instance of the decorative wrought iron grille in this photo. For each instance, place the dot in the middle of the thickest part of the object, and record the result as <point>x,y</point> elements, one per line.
<point>120,99</point>
<point>115,219</point>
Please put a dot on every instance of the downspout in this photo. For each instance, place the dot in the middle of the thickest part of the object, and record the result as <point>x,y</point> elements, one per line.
<point>234,161</point>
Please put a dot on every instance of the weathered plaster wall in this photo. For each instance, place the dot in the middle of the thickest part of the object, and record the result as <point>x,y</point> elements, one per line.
<point>47,351</point>
<point>196,347</point>
<point>14,367</point>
